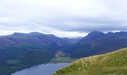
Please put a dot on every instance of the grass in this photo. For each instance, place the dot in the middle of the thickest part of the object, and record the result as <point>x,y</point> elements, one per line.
<point>114,63</point>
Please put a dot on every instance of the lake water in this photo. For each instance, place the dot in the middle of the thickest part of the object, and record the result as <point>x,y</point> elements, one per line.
<point>44,69</point>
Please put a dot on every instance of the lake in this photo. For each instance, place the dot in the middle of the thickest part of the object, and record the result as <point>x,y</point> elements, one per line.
<point>44,69</point>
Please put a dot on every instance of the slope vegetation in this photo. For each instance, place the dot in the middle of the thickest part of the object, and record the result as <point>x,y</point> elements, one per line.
<point>114,63</point>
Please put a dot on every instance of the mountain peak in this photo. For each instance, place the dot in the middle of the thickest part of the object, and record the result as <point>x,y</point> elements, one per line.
<point>95,34</point>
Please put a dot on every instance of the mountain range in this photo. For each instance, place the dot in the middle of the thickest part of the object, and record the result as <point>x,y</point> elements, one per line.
<point>98,43</point>
<point>21,50</point>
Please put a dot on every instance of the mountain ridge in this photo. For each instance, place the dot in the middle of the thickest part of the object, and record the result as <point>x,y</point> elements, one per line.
<point>94,44</point>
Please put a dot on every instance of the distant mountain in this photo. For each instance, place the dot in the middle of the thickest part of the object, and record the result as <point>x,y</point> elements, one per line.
<point>114,63</point>
<point>98,42</point>
<point>34,39</point>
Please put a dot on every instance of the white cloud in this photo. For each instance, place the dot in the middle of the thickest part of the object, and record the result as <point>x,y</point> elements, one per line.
<point>62,17</point>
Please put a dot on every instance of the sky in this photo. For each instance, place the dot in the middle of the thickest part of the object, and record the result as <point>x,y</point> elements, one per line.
<point>63,18</point>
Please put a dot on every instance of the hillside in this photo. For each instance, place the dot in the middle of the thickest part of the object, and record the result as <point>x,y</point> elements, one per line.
<point>114,63</point>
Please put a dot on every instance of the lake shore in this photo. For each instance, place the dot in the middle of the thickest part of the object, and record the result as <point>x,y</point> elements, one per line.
<point>46,69</point>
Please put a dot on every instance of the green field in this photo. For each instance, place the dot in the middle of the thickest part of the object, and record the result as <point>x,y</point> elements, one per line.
<point>114,63</point>
<point>62,60</point>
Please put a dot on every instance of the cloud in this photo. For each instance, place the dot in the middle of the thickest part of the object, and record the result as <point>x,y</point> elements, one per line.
<point>64,18</point>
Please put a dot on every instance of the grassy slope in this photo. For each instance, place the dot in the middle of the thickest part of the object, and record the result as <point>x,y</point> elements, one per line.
<point>114,63</point>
